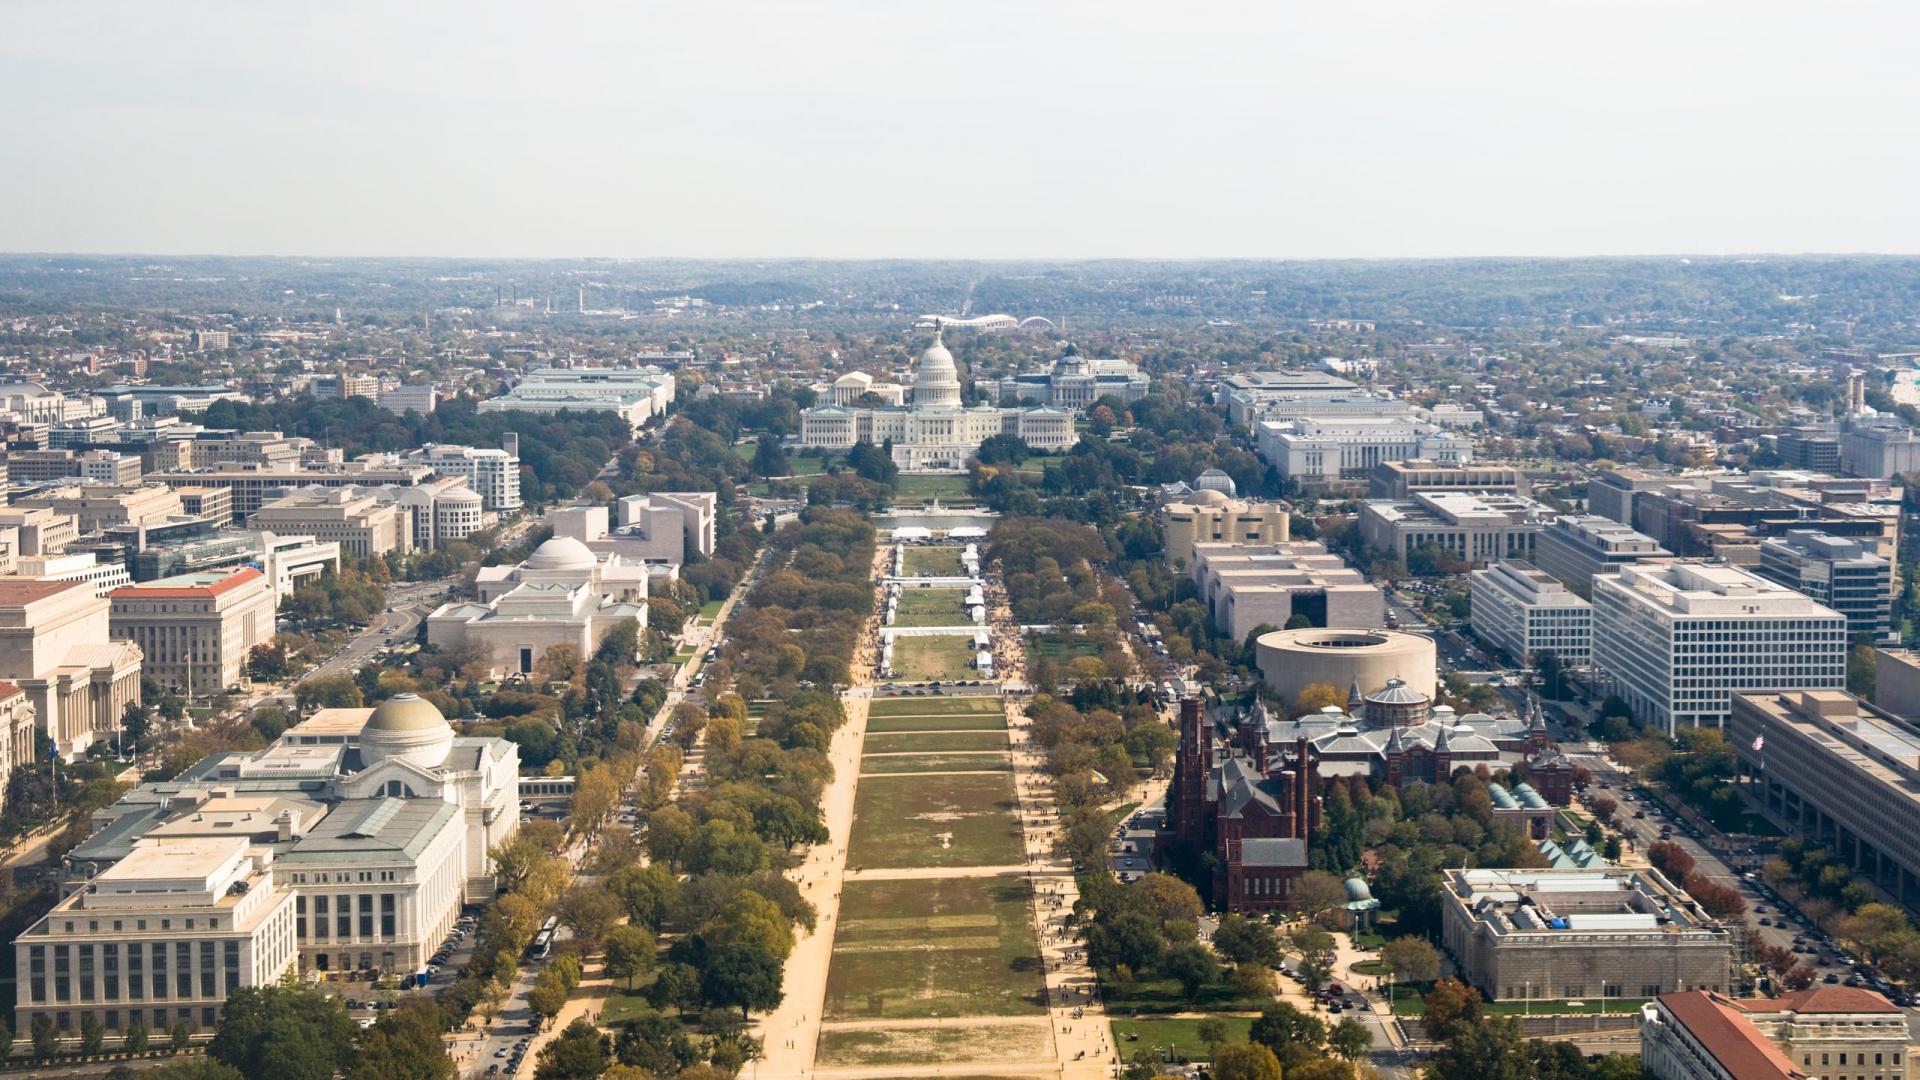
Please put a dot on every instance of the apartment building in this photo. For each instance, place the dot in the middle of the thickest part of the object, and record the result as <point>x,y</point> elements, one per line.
<point>164,935</point>
<point>357,522</point>
<point>1575,548</point>
<point>1881,448</point>
<point>1524,612</point>
<point>1680,638</point>
<point>195,630</point>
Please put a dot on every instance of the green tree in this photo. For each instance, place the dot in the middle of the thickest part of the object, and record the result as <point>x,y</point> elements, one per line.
<point>656,1043</point>
<point>630,953</point>
<point>1490,1049</point>
<point>750,918</point>
<point>1411,959</point>
<point>1245,1061</point>
<point>136,1038</point>
<point>1350,1039</point>
<point>289,1033</point>
<point>46,1040</point>
<point>549,993</point>
<point>405,1045</point>
<point>328,692</point>
<point>746,976</point>
<point>1192,966</point>
<point>769,459</point>
<point>677,986</point>
<point>1244,940</point>
<point>181,1036</point>
<point>590,911</point>
<point>1213,1032</point>
<point>579,1053</point>
<point>93,1035</point>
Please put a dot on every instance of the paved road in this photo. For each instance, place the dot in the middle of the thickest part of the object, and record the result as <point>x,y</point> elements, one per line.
<point>406,606</point>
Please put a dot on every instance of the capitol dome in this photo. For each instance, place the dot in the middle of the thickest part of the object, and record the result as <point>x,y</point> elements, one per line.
<point>406,726</point>
<point>936,378</point>
<point>561,553</point>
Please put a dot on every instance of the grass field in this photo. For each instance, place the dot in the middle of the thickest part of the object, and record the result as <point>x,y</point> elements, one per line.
<point>1059,648</point>
<point>926,763</point>
<point>940,947</point>
<point>947,722</point>
<point>932,607</point>
<point>711,608</point>
<point>918,488</point>
<point>908,821</point>
<point>933,561</point>
<point>931,1045</point>
<point>934,742</point>
<point>932,659</point>
<point>1182,1035</point>
<point>622,1007</point>
<point>933,706</point>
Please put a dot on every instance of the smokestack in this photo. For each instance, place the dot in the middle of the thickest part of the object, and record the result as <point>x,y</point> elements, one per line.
<point>1303,797</point>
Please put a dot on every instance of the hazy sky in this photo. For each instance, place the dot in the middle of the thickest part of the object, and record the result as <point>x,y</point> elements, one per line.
<point>977,129</point>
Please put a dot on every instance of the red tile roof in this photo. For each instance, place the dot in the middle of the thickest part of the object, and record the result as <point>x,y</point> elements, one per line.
<point>1821,999</point>
<point>7,690</point>
<point>27,590</point>
<point>1716,1024</point>
<point>185,592</point>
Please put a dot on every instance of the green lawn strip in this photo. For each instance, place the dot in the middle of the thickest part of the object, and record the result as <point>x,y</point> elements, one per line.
<point>1164,996</point>
<point>922,948</point>
<point>1058,648</point>
<point>934,742</point>
<point>935,705</point>
<point>910,821</point>
<point>711,608</point>
<point>914,487</point>
<point>1182,1035</point>
<point>933,1045</point>
<point>932,607</point>
<point>1378,968</point>
<point>925,763</point>
<point>622,1007</point>
<point>958,722</point>
<point>935,659</point>
<point>933,562</point>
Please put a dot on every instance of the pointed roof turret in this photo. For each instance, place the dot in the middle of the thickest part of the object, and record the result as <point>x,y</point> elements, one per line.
<point>1355,702</point>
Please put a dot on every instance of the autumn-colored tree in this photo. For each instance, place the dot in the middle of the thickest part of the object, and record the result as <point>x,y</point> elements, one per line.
<point>1316,696</point>
<point>1450,1006</point>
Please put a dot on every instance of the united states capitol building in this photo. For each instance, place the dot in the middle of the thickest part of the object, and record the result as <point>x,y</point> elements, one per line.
<point>934,431</point>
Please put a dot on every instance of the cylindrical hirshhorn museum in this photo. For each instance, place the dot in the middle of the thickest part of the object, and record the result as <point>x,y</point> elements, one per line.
<point>1292,660</point>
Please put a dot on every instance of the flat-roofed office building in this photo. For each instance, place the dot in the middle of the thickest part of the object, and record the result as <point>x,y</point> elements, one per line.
<point>1576,548</point>
<point>1841,772</point>
<point>1680,637</point>
<point>1525,612</point>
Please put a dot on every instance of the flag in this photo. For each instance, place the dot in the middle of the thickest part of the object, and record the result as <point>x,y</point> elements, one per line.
<point>1759,743</point>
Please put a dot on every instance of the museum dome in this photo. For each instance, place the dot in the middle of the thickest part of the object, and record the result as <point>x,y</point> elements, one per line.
<point>1357,890</point>
<point>406,726</point>
<point>1210,497</point>
<point>561,553</point>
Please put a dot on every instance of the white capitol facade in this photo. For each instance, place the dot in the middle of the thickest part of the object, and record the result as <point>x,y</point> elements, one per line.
<point>936,431</point>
